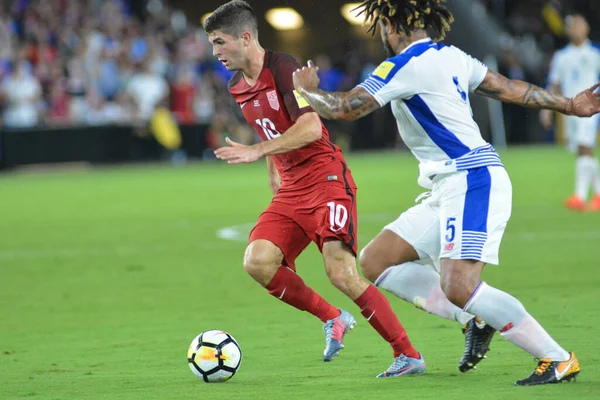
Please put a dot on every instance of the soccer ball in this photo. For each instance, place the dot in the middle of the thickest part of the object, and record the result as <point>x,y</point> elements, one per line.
<point>214,356</point>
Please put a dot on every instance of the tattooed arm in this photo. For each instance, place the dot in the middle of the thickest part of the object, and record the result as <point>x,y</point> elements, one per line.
<point>497,86</point>
<point>547,116</point>
<point>345,106</point>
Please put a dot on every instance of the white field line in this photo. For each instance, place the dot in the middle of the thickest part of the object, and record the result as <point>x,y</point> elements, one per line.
<point>239,233</point>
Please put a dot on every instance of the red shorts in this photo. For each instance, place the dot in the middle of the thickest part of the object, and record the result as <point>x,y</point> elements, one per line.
<point>293,220</point>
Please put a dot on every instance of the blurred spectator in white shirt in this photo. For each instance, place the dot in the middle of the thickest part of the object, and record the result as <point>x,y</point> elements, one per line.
<point>21,92</point>
<point>148,90</point>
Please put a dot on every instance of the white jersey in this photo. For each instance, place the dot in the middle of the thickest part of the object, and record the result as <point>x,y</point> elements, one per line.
<point>575,68</point>
<point>471,194</point>
<point>428,86</point>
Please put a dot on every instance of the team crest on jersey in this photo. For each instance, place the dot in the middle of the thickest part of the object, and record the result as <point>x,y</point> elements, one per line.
<point>273,100</point>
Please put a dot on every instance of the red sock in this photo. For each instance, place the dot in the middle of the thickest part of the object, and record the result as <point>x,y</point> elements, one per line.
<point>377,310</point>
<point>288,287</point>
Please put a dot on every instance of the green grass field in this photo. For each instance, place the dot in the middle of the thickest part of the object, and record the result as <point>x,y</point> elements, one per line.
<point>107,275</point>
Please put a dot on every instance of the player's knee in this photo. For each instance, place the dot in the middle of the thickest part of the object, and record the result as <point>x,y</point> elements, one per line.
<point>261,262</point>
<point>457,290</point>
<point>342,272</point>
<point>341,280</point>
<point>459,279</point>
<point>371,267</point>
<point>254,265</point>
<point>455,293</point>
<point>451,284</point>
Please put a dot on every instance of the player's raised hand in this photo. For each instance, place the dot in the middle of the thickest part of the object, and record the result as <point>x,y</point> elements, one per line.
<point>237,153</point>
<point>586,103</point>
<point>306,77</point>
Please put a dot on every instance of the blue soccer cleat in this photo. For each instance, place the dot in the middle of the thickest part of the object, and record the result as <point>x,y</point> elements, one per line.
<point>404,365</point>
<point>335,330</point>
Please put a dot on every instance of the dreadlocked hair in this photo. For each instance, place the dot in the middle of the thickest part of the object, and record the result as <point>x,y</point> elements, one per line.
<point>409,15</point>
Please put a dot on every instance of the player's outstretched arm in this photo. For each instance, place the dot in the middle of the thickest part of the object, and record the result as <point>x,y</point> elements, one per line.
<point>306,130</point>
<point>547,116</point>
<point>345,106</point>
<point>497,86</point>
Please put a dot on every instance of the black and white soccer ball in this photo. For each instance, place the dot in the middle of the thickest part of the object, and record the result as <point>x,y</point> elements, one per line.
<point>214,356</point>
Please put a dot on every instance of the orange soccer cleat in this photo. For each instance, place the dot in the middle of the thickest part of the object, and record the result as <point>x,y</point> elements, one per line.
<point>594,204</point>
<point>575,203</point>
<point>549,371</point>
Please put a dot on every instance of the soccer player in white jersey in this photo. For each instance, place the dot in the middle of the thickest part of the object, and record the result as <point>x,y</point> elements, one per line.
<point>573,69</point>
<point>463,220</point>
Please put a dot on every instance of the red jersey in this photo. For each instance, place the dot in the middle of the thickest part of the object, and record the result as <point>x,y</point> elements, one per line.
<point>271,106</point>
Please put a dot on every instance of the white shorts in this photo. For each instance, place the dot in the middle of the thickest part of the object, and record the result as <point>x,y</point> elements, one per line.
<point>464,218</point>
<point>581,132</point>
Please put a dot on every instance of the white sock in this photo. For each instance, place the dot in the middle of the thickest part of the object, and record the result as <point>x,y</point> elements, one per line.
<point>420,284</point>
<point>595,171</point>
<point>507,315</point>
<point>584,175</point>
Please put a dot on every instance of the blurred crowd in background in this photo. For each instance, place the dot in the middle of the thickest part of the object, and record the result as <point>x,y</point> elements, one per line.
<point>94,62</point>
<point>65,62</point>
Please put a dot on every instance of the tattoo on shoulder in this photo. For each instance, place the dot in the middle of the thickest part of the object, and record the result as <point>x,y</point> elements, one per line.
<point>490,87</point>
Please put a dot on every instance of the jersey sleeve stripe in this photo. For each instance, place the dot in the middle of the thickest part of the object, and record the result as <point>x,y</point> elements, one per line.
<point>376,83</point>
<point>369,88</point>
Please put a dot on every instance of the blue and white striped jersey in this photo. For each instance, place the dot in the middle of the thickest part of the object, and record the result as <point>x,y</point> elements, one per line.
<point>428,85</point>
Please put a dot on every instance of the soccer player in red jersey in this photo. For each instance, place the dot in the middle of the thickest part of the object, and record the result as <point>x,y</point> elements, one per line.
<point>316,200</point>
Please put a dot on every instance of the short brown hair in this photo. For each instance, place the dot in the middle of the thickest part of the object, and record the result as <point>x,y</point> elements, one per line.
<point>233,18</point>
